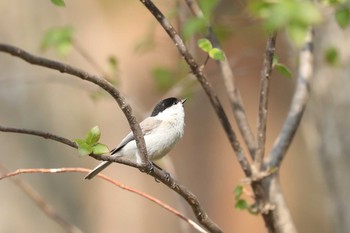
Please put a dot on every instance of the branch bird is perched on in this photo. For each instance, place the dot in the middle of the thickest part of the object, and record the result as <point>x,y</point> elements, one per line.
<point>161,131</point>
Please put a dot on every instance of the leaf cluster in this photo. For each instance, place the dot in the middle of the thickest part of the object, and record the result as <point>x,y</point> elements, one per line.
<point>90,144</point>
<point>59,38</point>
<point>295,16</point>
<point>241,203</point>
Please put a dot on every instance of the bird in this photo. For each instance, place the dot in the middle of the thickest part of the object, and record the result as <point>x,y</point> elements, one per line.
<point>161,131</point>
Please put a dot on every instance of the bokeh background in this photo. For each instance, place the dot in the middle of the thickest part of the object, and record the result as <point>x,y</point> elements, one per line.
<point>38,98</point>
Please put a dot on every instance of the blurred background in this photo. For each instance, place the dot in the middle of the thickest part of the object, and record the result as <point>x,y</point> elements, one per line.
<point>38,98</point>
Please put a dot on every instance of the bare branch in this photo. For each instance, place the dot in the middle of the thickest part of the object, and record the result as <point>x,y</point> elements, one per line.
<point>157,173</point>
<point>43,205</point>
<point>39,134</point>
<point>280,218</point>
<point>162,176</point>
<point>65,68</point>
<point>198,72</point>
<point>263,100</point>
<point>234,95</point>
<point>297,108</point>
<point>51,213</point>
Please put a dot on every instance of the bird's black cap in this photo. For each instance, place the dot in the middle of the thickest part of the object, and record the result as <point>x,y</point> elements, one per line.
<point>164,104</point>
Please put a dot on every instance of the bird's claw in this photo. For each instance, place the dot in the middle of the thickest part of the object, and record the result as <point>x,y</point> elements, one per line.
<point>149,168</point>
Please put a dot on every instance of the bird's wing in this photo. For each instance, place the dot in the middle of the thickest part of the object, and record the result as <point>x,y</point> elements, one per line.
<point>147,126</point>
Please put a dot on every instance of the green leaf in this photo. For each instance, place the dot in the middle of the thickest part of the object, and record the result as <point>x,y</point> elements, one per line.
<point>113,63</point>
<point>58,2</point>
<point>222,32</point>
<point>277,15</point>
<point>297,33</point>
<point>164,78</point>
<point>207,7</point>
<point>331,2</point>
<point>332,56</point>
<point>217,54</point>
<point>294,15</point>
<point>100,148</point>
<point>93,136</point>
<point>193,26</point>
<point>342,16</point>
<point>241,204</point>
<point>79,141</point>
<point>273,170</point>
<point>238,191</point>
<point>60,39</point>
<point>113,66</point>
<point>83,148</point>
<point>283,70</point>
<point>205,45</point>
<point>306,13</point>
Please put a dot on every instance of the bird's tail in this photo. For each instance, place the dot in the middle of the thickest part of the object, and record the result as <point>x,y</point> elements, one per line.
<point>97,170</point>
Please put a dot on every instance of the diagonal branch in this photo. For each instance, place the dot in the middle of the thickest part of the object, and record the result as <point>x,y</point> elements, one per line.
<point>157,173</point>
<point>65,68</point>
<point>51,213</point>
<point>234,95</point>
<point>198,72</point>
<point>263,100</point>
<point>297,107</point>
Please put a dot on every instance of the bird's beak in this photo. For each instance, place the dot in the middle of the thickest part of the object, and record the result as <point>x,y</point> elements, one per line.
<point>183,101</point>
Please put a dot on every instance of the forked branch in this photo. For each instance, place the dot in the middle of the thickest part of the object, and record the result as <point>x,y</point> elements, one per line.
<point>298,104</point>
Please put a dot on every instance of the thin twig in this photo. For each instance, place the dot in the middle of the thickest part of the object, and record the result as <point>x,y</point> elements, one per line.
<point>39,134</point>
<point>234,94</point>
<point>198,72</point>
<point>298,104</point>
<point>51,213</point>
<point>65,68</point>
<point>162,176</point>
<point>43,205</point>
<point>263,100</point>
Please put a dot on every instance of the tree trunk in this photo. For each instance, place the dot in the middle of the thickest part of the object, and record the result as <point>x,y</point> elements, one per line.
<point>327,120</point>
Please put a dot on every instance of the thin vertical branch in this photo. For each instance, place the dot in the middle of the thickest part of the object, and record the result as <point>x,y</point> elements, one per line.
<point>263,100</point>
<point>282,220</point>
<point>198,72</point>
<point>234,95</point>
<point>297,108</point>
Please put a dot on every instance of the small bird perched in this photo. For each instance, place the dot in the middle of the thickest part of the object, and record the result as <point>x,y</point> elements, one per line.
<point>161,131</point>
